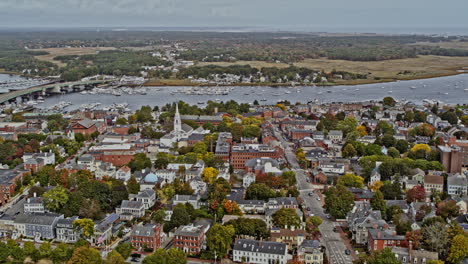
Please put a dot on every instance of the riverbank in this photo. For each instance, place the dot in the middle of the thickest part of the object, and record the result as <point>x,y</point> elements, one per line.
<point>179,83</point>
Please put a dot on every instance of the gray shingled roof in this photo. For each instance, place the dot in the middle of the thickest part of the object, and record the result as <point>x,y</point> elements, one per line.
<point>260,246</point>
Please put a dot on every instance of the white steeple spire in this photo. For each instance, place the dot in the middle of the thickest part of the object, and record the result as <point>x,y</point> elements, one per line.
<point>177,122</point>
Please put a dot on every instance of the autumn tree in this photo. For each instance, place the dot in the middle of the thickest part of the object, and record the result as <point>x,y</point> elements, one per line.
<point>351,180</point>
<point>312,225</point>
<point>448,209</point>
<point>86,226</point>
<point>416,194</point>
<point>85,255</point>
<point>458,249</point>
<point>210,174</point>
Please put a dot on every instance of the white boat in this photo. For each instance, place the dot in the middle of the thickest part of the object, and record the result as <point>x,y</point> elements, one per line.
<point>287,92</point>
<point>413,87</point>
<point>390,91</point>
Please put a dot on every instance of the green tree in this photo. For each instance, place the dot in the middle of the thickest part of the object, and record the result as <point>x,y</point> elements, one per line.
<point>45,249</point>
<point>124,249</point>
<point>389,101</point>
<point>179,217</point>
<point>259,191</point>
<point>44,174</point>
<point>385,256</point>
<point>139,162</point>
<point>85,255</point>
<point>378,202</point>
<point>286,218</point>
<point>349,151</point>
<point>114,258</point>
<point>133,186</point>
<point>79,137</point>
<point>250,227</point>
<point>171,256</point>
<point>61,253</point>
<point>393,152</point>
<point>219,239</point>
<point>401,145</point>
<point>348,125</point>
<point>339,201</point>
<point>121,121</point>
<point>55,198</point>
<point>159,216</point>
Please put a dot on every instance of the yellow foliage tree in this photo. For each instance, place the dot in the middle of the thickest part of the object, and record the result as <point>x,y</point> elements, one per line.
<point>210,174</point>
<point>418,147</point>
<point>375,186</point>
<point>361,130</point>
<point>282,106</point>
<point>351,180</point>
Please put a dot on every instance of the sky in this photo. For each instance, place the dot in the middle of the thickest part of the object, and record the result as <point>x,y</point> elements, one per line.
<point>281,14</point>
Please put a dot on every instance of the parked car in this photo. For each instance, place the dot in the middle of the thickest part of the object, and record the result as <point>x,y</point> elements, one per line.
<point>347,252</point>
<point>318,198</point>
<point>311,194</point>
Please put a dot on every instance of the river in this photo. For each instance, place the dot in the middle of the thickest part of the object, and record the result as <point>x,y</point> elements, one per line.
<point>450,89</point>
<point>16,82</point>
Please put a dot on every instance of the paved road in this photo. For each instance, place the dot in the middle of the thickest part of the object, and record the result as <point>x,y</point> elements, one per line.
<point>334,245</point>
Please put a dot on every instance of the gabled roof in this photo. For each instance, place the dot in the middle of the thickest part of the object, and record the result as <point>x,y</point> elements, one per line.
<point>260,246</point>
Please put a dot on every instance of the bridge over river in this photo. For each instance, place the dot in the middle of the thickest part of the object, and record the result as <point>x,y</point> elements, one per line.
<point>48,89</point>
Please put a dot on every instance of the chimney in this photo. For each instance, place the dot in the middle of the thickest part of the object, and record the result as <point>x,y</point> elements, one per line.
<point>378,235</point>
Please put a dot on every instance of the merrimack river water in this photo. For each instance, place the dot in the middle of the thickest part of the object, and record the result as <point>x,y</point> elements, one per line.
<point>450,89</point>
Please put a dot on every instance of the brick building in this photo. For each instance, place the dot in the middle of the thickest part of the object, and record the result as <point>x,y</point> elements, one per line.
<point>146,236</point>
<point>189,238</point>
<point>223,146</point>
<point>380,239</point>
<point>8,179</point>
<point>85,127</point>
<point>244,152</point>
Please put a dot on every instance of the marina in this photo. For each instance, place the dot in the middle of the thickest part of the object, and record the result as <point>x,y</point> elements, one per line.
<point>451,89</point>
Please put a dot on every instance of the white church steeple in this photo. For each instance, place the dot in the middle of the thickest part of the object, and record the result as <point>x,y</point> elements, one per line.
<point>177,122</point>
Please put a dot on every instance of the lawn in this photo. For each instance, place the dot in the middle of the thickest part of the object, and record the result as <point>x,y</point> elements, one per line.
<point>53,52</point>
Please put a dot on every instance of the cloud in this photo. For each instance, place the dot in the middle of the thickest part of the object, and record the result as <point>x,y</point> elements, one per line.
<point>278,13</point>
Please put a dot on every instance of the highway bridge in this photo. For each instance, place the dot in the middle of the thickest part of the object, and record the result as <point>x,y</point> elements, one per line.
<point>48,89</point>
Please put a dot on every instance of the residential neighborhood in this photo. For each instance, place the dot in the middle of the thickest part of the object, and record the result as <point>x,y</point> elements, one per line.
<point>307,183</point>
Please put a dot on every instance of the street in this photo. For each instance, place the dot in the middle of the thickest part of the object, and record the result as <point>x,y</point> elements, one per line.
<point>335,247</point>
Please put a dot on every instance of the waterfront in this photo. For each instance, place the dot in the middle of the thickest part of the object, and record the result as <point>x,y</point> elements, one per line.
<point>451,89</point>
<point>16,82</point>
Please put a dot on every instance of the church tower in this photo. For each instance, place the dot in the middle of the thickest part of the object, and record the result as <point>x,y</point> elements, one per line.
<point>177,123</point>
